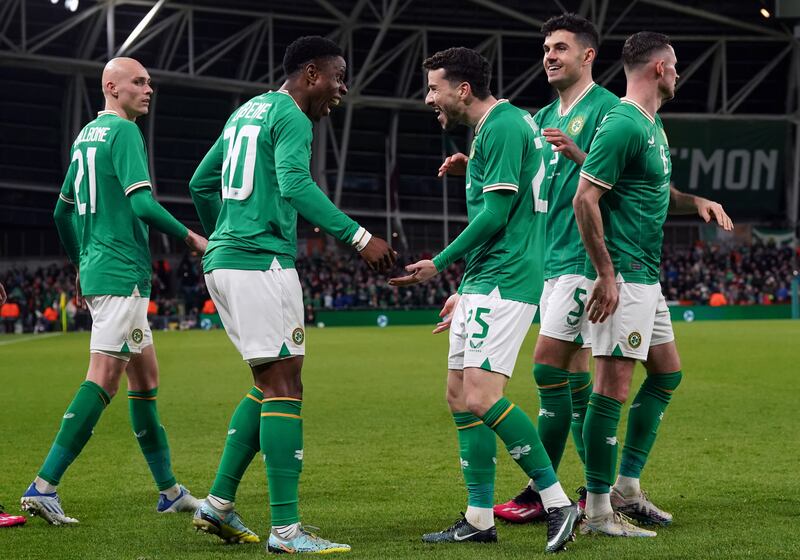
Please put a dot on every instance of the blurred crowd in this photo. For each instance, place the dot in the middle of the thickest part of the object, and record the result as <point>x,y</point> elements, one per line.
<point>704,274</point>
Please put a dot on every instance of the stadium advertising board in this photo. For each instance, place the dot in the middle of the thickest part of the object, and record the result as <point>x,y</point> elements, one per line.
<point>740,163</point>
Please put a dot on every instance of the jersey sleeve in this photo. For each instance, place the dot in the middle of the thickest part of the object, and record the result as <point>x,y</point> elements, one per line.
<point>67,193</point>
<point>206,187</point>
<point>502,154</point>
<point>129,158</point>
<point>292,140</point>
<point>617,141</point>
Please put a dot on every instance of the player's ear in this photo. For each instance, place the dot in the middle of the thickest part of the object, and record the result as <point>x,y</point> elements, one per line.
<point>660,67</point>
<point>589,55</point>
<point>464,90</point>
<point>311,72</point>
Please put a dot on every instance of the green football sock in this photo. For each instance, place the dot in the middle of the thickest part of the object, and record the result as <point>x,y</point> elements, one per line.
<point>522,441</point>
<point>643,420</point>
<point>282,446</point>
<point>152,436</point>
<point>580,385</point>
<point>241,446</point>
<point>555,409</point>
<point>600,439</point>
<point>76,428</point>
<point>478,449</point>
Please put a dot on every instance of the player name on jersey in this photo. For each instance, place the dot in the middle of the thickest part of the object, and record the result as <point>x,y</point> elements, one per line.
<point>92,134</point>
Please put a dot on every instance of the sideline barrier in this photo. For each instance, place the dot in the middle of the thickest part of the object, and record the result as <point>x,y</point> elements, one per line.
<point>384,318</point>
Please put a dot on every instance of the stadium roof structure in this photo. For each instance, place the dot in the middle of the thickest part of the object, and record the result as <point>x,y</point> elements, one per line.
<point>378,155</point>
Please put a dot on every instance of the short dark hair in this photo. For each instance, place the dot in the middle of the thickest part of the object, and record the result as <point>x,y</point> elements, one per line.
<point>461,64</point>
<point>305,49</point>
<point>639,47</point>
<point>583,29</point>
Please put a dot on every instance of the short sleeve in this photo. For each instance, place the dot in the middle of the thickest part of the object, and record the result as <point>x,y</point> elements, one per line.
<point>614,145</point>
<point>502,158</point>
<point>129,158</point>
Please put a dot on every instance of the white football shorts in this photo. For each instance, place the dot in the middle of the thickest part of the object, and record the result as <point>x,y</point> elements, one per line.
<point>487,331</point>
<point>119,325</point>
<point>262,311</point>
<point>562,310</point>
<point>640,321</point>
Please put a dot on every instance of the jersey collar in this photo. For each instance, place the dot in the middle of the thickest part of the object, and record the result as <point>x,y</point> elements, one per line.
<point>101,113</point>
<point>284,92</point>
<point>486,114</point>
<point>641,109</point>
<point>565,112</point>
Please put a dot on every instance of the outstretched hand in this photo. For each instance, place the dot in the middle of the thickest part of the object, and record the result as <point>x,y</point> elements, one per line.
<point>708,210</point>
<point>454,165</point>
<point>421,271</point>
<point>378,255</point>
<point>447,314</point>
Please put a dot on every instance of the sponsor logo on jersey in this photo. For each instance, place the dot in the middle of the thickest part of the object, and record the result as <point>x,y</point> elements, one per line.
<point>298,336</point>
<point>634,339</point>
<point>576,125</point>
<point>519,451</point>
<point>137,335</point>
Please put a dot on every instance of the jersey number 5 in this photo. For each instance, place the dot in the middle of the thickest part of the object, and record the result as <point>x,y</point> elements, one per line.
<point>233,167</point>
<point>78,156</point>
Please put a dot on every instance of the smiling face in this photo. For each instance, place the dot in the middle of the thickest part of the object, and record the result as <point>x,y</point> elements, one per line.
<point>667,73</point>
<point>445,98</point>
<point>565,58</point>
<point>328,85</point>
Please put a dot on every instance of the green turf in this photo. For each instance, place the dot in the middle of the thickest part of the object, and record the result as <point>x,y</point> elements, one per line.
<point>380,448</point>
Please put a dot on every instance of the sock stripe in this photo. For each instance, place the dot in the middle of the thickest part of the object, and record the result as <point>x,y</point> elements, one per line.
<point>141,398</point>
<point>478,423</point>
<point>582,388</point>
<point>502,416</point>
<point>564,384</point>
<point>249,396</point>
<point>281,414</point>
<point>281,399</point>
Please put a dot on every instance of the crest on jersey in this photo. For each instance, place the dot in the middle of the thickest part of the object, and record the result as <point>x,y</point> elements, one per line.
<point>137,335</point>
<point>576,125</point>
<point>634,339</point>
<point>298,336</point>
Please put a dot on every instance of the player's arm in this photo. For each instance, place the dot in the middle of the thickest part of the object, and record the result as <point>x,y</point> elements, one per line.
<point>503,154</point>
<point>564,144</point>
<point>63,216</point>
<point>292,154</point>
<point>611,149</point>
<point>205,187</point>
<point>684,203</point>
<point>130,165</point>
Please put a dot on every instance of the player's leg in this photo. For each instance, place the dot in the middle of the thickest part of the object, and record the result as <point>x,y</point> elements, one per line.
<point>142,373</point>
<point>107,361</point>
<point>229,289</point>
<point>477,448</point>
<point>616,345</point>
<point>580,384</point>
<point>664,374</point>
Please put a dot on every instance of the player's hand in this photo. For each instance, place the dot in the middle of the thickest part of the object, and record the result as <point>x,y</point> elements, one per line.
<point>378,255</point>
<point>80,303</point>
<point>564,144</point>
<point>447,314</point>
<point>196,243</point>
<point>3,295</point>
<point>454,165</point>
<point>421,271</point>
<point>708,210</point>
<point>604,299</point>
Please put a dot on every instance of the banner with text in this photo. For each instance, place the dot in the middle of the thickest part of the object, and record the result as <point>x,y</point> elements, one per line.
<point>739,163</point>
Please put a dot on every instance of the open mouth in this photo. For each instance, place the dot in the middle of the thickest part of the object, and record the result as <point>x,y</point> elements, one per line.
<point>553,68</point>
<point>334,102</point>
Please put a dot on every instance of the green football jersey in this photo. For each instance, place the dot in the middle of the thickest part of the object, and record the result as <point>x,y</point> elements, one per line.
<point>108,163</point>
<point>564,251</point>
<point>630,157</point>
<point>259,162</point>
<point>504,155</point>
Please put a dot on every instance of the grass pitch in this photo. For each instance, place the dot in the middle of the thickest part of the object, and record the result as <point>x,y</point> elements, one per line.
<point>381,463</point>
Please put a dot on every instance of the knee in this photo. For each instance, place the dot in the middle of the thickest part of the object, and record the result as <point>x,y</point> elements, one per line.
<point>617,391</point>
<point>477,403</point>
<point>549,377</point>
<point>664,382</point>
<point>455,400</point>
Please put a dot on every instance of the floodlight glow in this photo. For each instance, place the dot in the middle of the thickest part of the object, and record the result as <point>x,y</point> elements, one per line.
<point>139,28</point>
<point>765,12</point>
<point>71,5</point>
